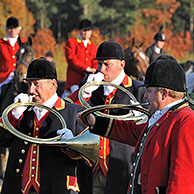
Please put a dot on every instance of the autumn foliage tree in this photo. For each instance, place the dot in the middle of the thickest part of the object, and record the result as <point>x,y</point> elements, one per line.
<point>18,9</point>
<point>151,20</point>
<point>43,42</point>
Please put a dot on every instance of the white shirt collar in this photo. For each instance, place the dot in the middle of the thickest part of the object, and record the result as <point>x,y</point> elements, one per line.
<point>159,113</point>
<point>12,40</point>
<point>84,41</point>
<point>117,81</point>
<point>50,103</point>
<point>157,50</point>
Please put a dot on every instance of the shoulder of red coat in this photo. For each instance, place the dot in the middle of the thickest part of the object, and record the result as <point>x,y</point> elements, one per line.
<point>127,82</point>
<point>60,104</point>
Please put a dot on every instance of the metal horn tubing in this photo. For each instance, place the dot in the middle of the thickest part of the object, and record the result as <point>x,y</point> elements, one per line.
<point>26,137</point>
<point>85,143</point>
<point>137,119</point>
<point>86,105</point>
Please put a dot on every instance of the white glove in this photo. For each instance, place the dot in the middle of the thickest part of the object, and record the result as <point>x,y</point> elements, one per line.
<point>135,113</point>
<point>98,77</point>
<point>17,112</point>
<point>66,133</point>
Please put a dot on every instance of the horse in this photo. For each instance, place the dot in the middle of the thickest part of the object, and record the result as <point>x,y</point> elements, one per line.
<point>24,56</point>
<point>136,61</point>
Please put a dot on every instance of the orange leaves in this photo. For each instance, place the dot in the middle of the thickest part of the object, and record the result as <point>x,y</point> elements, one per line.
<point>43,42</point>
<point>178,45</point>
<point>18,9</point>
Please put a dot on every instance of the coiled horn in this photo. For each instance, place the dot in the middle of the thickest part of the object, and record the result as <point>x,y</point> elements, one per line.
<point>86,144</point>
<point>141,117</point>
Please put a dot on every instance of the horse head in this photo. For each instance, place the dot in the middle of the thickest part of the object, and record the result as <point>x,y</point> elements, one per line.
<point>136,61</point>
<point>24,55</point>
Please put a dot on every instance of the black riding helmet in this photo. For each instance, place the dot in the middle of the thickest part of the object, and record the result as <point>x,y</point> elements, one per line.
<point>166,72</point>
<point>41,69</point>
<point>159,36</point>
<point>110,50</point>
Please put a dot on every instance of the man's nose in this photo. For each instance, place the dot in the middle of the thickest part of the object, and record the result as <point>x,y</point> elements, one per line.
<point>31,88</point>
<point>102,68</point>
<point>145,95</point>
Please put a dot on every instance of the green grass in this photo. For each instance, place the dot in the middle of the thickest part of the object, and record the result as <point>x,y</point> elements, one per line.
<point>61,64</point>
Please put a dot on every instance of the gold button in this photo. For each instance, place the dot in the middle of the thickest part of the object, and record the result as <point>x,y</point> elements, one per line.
<point>20,161</point>
<point>29,133</point>
<point>157,124</point>
<point>13,56</point>
<point>86,59</point>
<point>25,142</point>
<point>14,64</point>
<point>13,48</point>
<point>86,51</point>
<point>17,170</point>
<point>23,151</point>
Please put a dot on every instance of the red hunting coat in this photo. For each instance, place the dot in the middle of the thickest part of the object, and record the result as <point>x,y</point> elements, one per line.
<point>168,156</point>
<point>7,58</point>
<point>78,59</point>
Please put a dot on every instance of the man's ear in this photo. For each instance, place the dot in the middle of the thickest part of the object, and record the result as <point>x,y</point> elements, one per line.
<point>164,93</point>
<point>123,63</point>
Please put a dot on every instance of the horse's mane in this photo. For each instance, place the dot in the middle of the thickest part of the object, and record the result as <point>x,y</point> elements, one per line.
<point>136,61</point>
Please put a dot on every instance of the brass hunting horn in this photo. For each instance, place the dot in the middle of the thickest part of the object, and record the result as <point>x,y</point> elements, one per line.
<point>86,144</point>
<point>141,117</point>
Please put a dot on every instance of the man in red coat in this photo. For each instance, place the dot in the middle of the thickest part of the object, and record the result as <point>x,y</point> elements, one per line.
<point>9,45</point>
<point>80,52</point>
<point>164,157</point>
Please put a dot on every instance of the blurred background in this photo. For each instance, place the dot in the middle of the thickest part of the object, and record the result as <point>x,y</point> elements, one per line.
<point>50,23</point>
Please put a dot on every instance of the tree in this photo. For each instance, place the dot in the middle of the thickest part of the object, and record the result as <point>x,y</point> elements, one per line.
<point>159,18</point>
<point>43,42</point>
<point>61,16</point>
<point>183,19</point>
<point>18,9</point>
<point>113,18</point>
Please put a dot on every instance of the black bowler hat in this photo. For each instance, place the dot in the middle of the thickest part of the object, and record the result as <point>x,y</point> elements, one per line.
<point>159,37</point>
<point>110,50</point>
<point>49,54</point>
<point>85,24</point>
<point>12,22</point>
<point>41,69</point>
<point>166,72</point>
